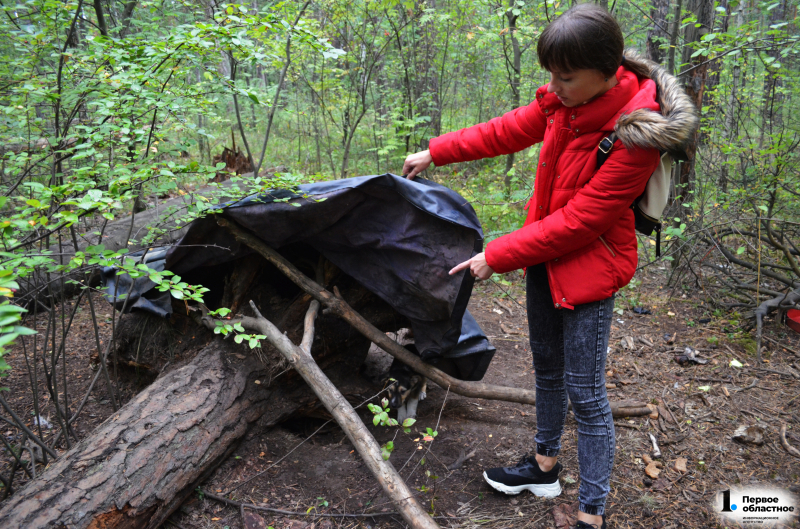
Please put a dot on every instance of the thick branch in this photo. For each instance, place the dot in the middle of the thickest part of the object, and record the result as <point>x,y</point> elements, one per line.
<point>345,415</point>
<point>127,14</point>
<point>746,264</point>
<point>785,249</point>
<point>339,306</point>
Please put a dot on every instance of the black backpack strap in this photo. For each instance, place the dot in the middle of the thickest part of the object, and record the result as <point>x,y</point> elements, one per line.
<point>604,149</point>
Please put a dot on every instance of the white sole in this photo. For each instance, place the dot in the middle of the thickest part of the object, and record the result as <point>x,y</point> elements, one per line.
<point>549,490</point>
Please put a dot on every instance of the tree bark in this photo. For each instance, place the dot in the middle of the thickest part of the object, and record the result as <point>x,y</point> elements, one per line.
<point>695,81</point>
<point>515,65</point>
<point>658,34</point>
<point>127,16</point>
<point>673,38</point>
<point>101,20</point>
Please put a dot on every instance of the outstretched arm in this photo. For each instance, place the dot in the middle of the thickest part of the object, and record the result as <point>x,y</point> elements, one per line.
<point>511,132</point>
<point>589,214</point>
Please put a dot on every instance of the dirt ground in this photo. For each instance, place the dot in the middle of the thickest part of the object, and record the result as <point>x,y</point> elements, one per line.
<point>308,467</point>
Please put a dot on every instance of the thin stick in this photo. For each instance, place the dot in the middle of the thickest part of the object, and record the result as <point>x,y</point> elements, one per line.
<point>779,344</point>
<point>25,429</point>
<point>242,505</point>
<point>789,448</point>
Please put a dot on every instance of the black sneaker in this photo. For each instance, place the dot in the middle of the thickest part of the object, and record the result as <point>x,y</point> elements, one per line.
<point>583,525</point>
<point>526,475</point>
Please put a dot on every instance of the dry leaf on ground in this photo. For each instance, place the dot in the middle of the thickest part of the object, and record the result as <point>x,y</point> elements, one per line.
<point>653,469</point>
<point>565,515</point>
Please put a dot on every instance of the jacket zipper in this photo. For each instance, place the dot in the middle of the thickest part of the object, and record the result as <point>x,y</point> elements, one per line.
<point>607,246</point>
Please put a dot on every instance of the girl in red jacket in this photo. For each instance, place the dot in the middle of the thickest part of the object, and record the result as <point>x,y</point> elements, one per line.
<point>578,242</point>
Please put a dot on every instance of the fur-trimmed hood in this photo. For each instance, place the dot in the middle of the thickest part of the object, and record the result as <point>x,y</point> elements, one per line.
<point>671,130</point>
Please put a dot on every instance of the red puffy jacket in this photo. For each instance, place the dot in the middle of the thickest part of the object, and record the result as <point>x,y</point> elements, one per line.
<point>579,220</point>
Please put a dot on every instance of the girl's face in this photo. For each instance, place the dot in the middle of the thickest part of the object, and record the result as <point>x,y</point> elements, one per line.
<point>579,86</point>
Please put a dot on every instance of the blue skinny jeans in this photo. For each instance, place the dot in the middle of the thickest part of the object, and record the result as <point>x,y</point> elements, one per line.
<point>569,355</point>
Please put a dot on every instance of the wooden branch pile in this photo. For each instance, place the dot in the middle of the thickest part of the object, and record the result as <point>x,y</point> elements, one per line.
<point>751,264</point>
<point>146,459</point>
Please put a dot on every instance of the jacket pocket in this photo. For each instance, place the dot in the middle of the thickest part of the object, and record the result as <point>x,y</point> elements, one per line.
<point>608,246</point>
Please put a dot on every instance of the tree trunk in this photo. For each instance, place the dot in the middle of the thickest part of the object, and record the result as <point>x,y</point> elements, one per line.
<point>673,37</point>
<point>127,14</point>
<point>658,35</point>
<point>694,81</point>
<point>426,82</point>
<point>513,67</point>
<point>772,118</point>
<point>731,121</point>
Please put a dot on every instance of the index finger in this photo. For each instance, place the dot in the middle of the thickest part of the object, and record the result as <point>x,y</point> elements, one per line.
<point>460,267</point>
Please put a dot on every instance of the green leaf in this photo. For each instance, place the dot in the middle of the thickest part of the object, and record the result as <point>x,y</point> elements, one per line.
<point>386,450</point>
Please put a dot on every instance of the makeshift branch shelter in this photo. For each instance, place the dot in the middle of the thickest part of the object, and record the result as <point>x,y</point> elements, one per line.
<point>379,249</point>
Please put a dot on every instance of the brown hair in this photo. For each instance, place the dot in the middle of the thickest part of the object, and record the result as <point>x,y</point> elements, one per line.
<point>585,37</point>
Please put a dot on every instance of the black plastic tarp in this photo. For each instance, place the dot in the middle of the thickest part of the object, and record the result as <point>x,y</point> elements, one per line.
<point>398,238</point>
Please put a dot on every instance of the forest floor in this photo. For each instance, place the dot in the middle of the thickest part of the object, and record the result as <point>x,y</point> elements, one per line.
<point>296,470</point>
<point>708,402</point>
